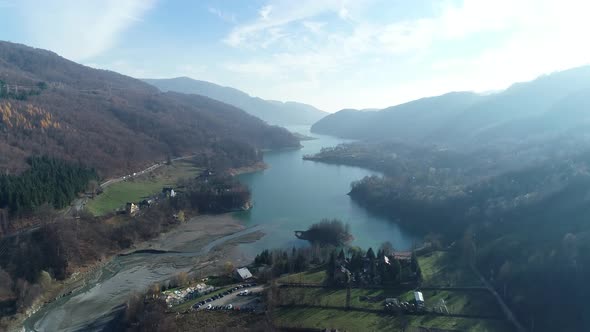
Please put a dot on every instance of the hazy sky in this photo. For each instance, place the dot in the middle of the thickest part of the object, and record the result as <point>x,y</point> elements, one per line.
<point>330,53</point>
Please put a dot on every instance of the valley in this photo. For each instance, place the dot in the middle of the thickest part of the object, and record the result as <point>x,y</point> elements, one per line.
<point>199,246</point>
<point>294,166</point>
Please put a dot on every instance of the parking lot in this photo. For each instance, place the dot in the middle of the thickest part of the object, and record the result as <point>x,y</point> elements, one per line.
<point>235,297</point>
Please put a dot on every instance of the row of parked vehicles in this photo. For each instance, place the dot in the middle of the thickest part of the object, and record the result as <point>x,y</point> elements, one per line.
<point>247,292</point>
<point>198,305</point>
<point>247,308</point>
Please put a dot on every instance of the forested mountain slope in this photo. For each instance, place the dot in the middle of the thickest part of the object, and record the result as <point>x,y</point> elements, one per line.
<point>545,108</point>
<point>271,111</point>
<point>52,106</point>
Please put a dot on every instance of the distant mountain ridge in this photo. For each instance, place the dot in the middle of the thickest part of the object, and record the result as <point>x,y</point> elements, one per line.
<point>271,111</point>
<point>548,106</point>
<point>411,120</point>
<point>52,106</point>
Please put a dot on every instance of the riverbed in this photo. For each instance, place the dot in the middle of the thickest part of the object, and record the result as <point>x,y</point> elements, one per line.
<point>289,195</point>
<point>201,245</point>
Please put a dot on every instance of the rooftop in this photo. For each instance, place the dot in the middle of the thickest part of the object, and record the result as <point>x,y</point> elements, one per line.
<point>244,273</point>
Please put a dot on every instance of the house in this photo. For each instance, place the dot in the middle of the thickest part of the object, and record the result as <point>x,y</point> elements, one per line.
<point>146,203</point>
<point>131,208</point>
<point>242,274</point>
<point>168,192</point>
<point>419,298</point>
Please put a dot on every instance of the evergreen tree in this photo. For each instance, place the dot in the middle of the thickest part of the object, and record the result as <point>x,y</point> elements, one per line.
<point>370,254</point>
<point>46,181</point>
<point>341,255</point>
<point>331,267</point>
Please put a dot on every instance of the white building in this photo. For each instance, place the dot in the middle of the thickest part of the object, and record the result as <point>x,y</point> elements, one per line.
<point>419,298</point>
<point>243,274</point>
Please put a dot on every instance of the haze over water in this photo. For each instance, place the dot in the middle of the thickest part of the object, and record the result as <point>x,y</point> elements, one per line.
<point>294,193</point>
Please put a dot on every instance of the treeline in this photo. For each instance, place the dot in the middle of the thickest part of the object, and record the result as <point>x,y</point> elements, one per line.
<point>47,181</point>
<point>281,261</point>
<point>365,268</point>
<point>343,265</point>
<point>213,194</point>
<point>428,210</point>
<point>327,232</point>
<point>402,159</point>
<point>33,262</point>
<point>18,92</point>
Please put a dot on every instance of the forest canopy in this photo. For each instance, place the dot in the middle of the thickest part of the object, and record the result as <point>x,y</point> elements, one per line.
<point>52,181</point>
<point>327,232</point>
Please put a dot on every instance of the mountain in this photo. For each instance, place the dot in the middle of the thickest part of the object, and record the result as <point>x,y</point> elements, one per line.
<point>412,120</point>
<point>52,106</point>
<point>545,108</point>
<point>271,111</point>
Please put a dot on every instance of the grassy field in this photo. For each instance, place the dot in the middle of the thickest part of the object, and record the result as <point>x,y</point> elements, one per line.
<point>315,276</point>
<point>116,195</point>
<point>440,268</point>
<point>361,321</point>
<point>458,302</point>
<point>335,297</point>
<point>465,302</point>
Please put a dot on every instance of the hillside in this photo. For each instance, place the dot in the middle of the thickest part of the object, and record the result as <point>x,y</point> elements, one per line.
<point>544,108</point>
<point>528,229</point>
<point>271,111</point>
<point>412,120</point>
<point>52,106</point>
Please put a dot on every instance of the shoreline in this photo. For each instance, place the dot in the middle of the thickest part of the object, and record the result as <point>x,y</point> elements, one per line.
<point>257,167</point>
<point>65,288</point>
<point>192,236</point>
<point>77,279</point>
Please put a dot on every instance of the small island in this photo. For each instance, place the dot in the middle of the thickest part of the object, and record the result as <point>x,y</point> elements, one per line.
<point>327,232</point>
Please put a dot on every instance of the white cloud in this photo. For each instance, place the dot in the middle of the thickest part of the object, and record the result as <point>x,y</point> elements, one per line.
<point>471,45</point>
<point>265,12</point>
<point>79,29</point>
<point>314,27</point>
<point>280,13</point>
<point>224,16</point>
<point>343,13</point>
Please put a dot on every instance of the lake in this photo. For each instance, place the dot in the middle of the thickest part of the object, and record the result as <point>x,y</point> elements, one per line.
<point>294,193</point>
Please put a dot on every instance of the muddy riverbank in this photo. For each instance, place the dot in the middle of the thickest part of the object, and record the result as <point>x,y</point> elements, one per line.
<point>201,245</point>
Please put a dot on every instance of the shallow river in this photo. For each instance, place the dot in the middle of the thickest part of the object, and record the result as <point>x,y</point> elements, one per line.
<point>290,195</point>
